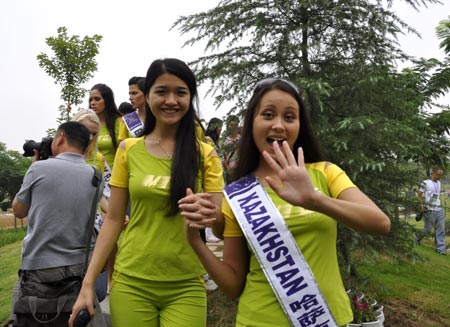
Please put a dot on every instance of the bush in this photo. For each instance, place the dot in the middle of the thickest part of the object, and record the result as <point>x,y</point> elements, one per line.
<point>12,235</point>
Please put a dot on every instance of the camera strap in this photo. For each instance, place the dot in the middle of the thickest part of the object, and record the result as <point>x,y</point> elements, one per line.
<point>96,182</point>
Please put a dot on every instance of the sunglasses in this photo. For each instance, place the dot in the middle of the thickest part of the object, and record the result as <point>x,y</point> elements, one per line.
<point>269,81</point>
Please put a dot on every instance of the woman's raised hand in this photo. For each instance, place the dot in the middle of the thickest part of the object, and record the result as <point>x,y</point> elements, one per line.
<point>296,187</point>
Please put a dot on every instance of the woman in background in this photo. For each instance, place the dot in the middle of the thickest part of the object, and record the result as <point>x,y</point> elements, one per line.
<point>133,122</point>
<point>88,118</point>
<point>229,145</point>
<point>213,131</point>
<point>101,100</point>
<point>212,136</point>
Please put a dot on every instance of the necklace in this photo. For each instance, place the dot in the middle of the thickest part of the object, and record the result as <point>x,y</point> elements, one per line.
<point>158,141</point>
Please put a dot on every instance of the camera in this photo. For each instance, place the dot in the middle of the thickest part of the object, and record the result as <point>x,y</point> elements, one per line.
<point>44,148</point>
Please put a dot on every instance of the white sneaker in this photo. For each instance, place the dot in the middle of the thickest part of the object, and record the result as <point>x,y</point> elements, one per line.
<point>210,237</point>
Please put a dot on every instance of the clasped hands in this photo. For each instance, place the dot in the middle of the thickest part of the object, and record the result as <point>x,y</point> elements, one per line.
<point>198,209</point>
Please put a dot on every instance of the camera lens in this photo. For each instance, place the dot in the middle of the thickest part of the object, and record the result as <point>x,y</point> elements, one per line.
<point>29,146</point>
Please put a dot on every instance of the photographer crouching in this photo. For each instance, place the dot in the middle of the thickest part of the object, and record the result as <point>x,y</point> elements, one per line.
<point>58,196</point>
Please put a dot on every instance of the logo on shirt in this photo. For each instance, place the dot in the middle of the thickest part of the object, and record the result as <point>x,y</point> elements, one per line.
<point>153,181</point>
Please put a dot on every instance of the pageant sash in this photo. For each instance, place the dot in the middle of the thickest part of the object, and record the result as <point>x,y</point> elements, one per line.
<point>133,123</point>
<point>107,177</point>
<point>275,248</point>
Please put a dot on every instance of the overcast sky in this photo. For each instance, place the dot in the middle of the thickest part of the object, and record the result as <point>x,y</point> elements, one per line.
<point>134,34</point>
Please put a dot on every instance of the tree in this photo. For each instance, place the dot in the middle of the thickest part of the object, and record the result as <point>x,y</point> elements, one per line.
<point>73,64</point>
<point>371,119</point>
<point>13,167</point>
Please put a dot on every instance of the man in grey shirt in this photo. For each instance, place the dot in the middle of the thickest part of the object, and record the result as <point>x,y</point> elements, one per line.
<point>56,196</point>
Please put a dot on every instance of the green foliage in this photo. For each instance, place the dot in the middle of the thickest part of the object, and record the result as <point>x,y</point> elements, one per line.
<point>73,64</point>
<point>443,33</point>
<point>293,39</point>
<point>13,167</point>
<point>11,235</point>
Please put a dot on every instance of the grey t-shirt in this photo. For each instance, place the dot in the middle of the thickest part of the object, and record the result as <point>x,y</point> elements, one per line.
<point>60,192</point>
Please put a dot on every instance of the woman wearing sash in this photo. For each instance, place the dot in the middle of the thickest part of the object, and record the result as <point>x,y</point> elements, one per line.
<point>158,279</point>
<point>309,195</point>
<point>88,118</point>
<point>133,122</point>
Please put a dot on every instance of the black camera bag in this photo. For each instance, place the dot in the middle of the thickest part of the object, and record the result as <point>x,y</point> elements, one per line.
<point>48,303</point>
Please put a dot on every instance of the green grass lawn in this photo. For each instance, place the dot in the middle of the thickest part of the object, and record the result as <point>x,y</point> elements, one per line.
<point>414,294</point>
<point>9,264</point>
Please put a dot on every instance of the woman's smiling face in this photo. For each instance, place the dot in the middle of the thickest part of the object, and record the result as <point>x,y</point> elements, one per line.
<point>277,118</point>
<point>169,99</point>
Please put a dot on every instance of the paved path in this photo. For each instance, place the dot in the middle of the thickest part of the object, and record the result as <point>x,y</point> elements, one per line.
<point>216,248</point>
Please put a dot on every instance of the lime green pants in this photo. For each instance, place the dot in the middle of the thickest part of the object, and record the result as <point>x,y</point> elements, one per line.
<point>137,302</point>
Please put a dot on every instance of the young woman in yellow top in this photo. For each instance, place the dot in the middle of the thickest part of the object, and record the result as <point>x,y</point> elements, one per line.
<point>158,279</point>
<point>101,100</point>
<point>279,147</point>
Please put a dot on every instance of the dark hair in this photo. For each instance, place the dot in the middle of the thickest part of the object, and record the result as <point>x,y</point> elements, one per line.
<point>248,154</point>
<point>232,118</point>
<point>76,134</point>
<point>126,108</point>
<point>111,112</point>
<point>139,81</point>
<point>214,126</point>
<point>185,162</point>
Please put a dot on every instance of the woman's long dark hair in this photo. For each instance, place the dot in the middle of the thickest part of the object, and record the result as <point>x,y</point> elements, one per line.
<point>186,160</point>
<point>214,126</point>
<point>248,153</point>
<point>111,113</point>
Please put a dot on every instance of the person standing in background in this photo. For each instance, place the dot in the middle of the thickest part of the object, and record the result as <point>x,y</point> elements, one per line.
<point>212,136</point>
<point>434,217</point>
<point>133,122</point>
<point>101,100</point>
<point>125,108</point>
<point>229,145</point>
<point>57,196</point>
<point>88,118</point>
<point>212,133</point>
